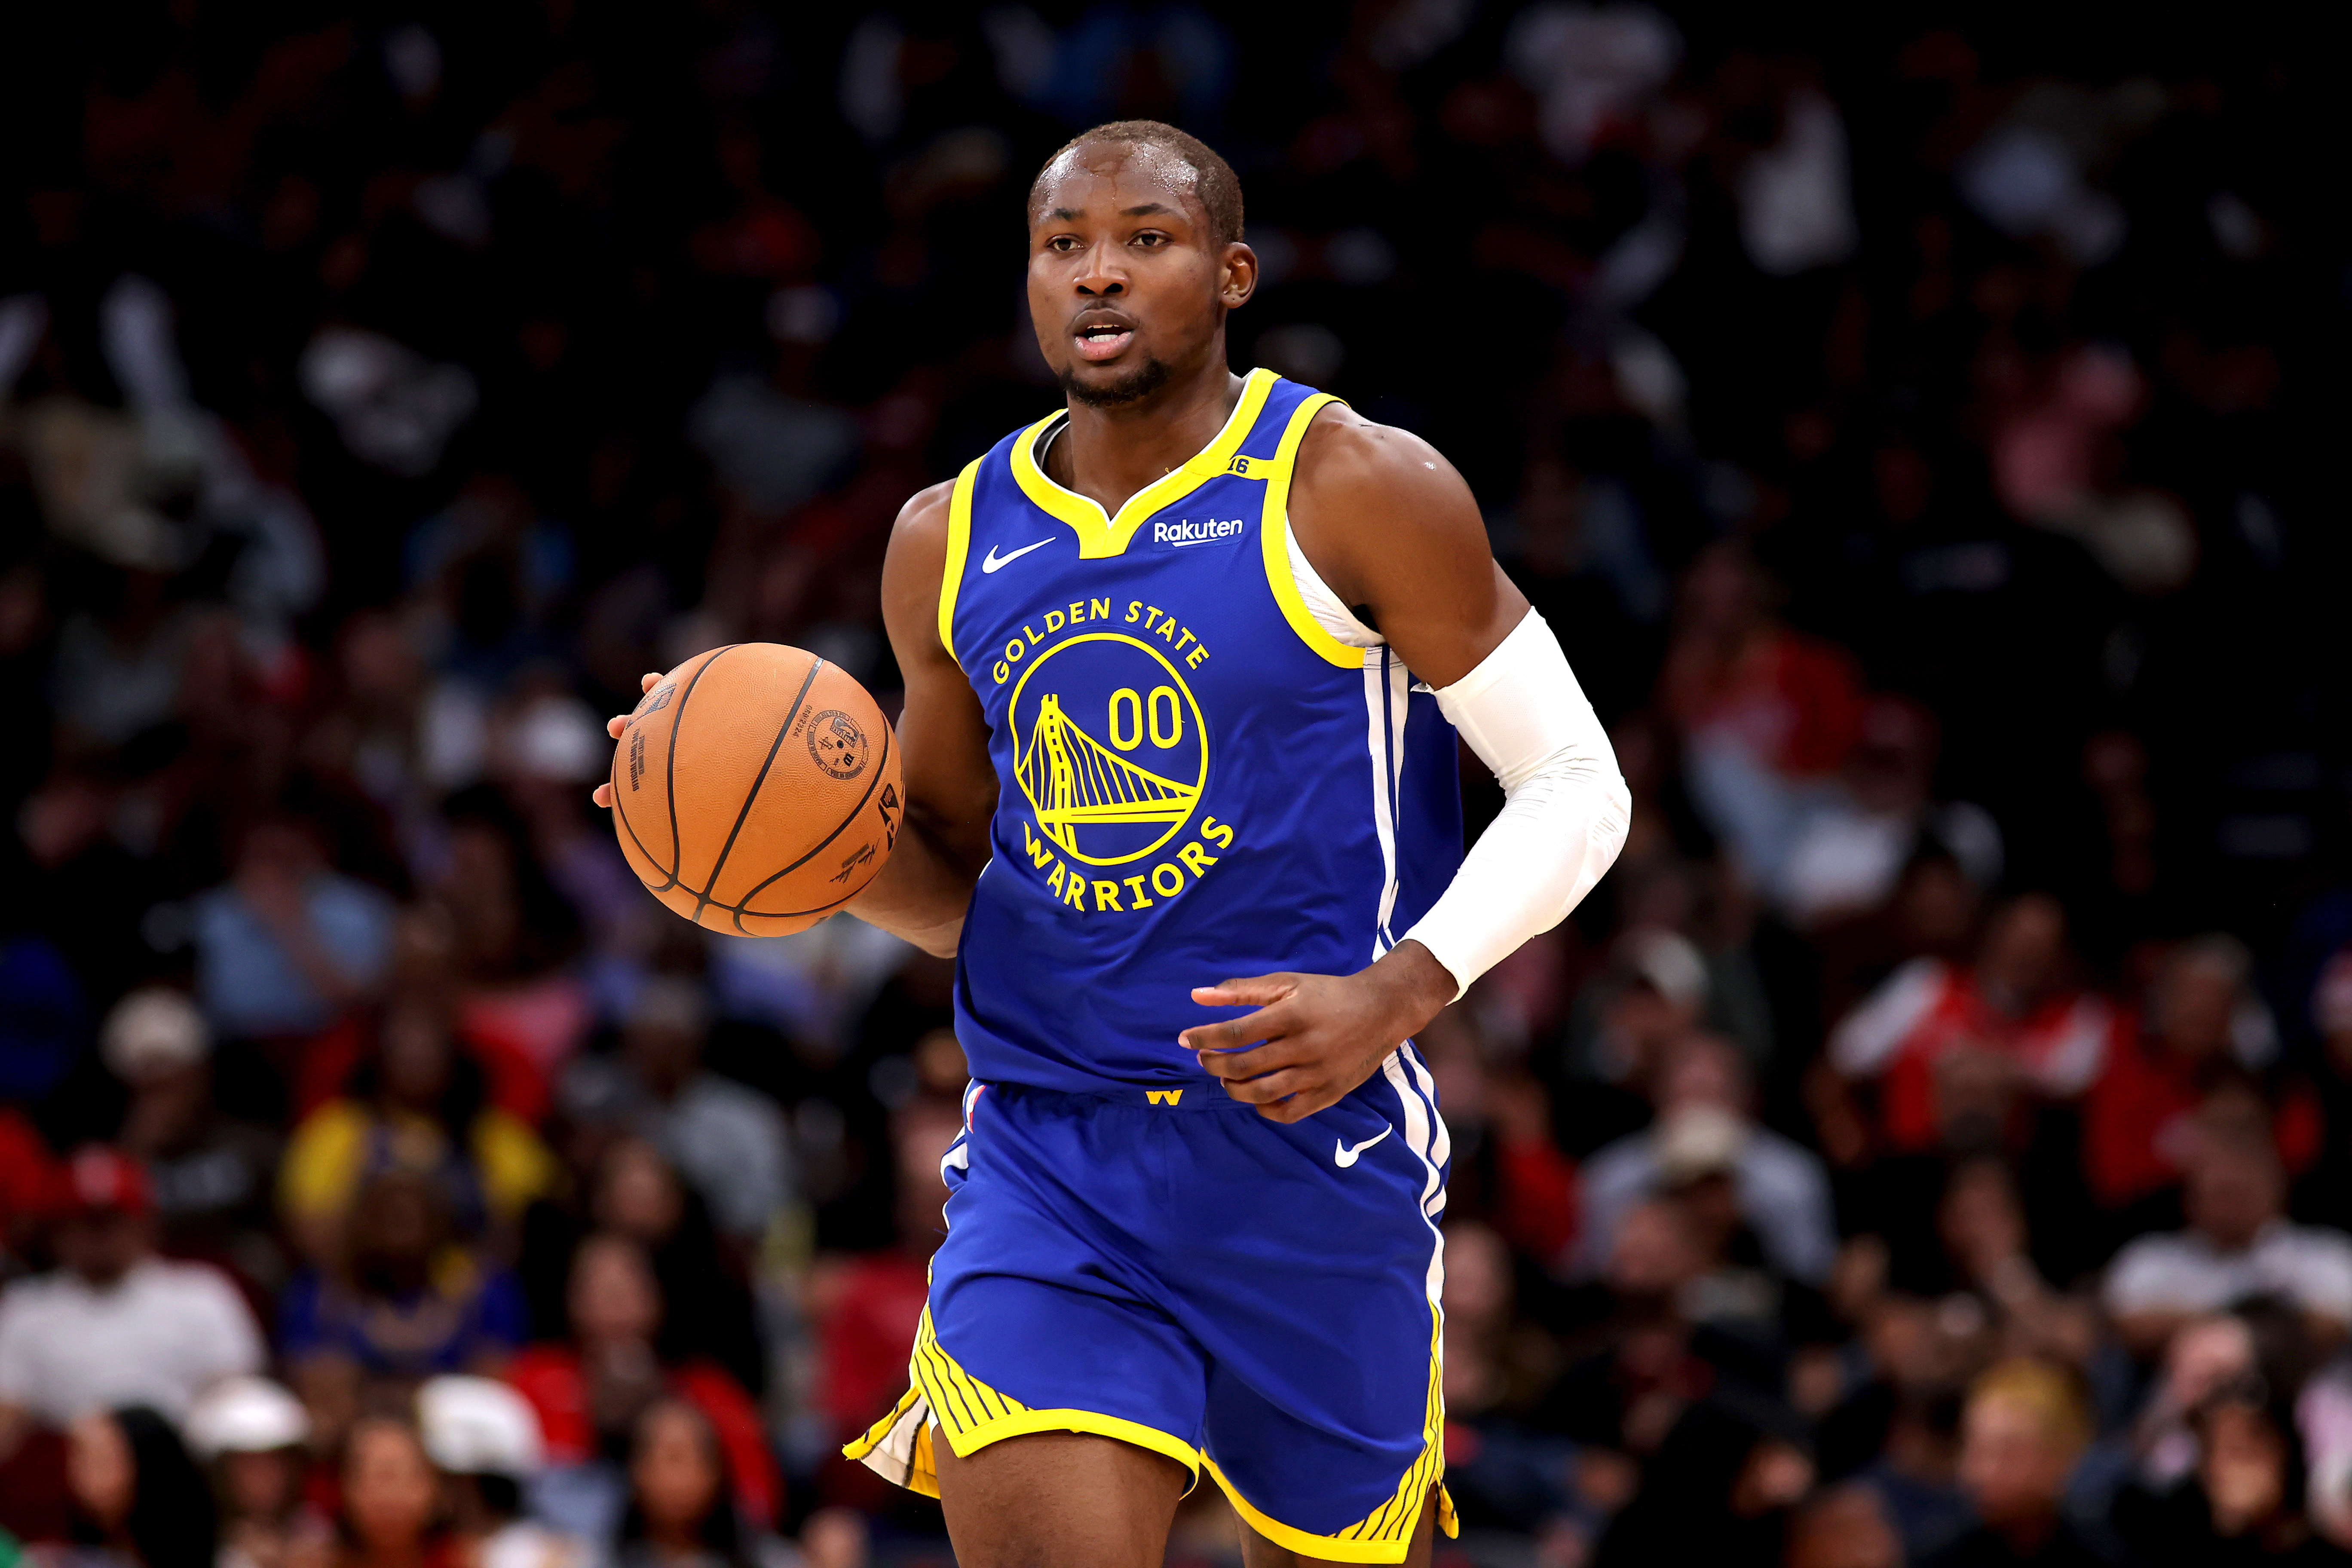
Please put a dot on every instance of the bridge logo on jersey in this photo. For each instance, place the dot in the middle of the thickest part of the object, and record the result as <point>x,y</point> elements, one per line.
<point>1108,747</point>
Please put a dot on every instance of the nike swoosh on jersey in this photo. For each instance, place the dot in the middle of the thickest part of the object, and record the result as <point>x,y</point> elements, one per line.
<point>1343,1156</point>
<point>992,560</point>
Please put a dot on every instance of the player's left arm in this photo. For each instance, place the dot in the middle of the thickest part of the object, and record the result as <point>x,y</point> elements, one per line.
<point>1394,530</point>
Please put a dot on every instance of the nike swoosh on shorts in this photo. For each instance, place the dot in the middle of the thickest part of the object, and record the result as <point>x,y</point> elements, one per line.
<point>1343,1156</point>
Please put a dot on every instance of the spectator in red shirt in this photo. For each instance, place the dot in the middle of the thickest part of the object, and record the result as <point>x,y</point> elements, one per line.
<point>2203,1027</point>
<point>867,1307</point>
<point>1767,714</point>
<point>1944,1042</point>
<point>591,1390</point>
<point>29,1178</point>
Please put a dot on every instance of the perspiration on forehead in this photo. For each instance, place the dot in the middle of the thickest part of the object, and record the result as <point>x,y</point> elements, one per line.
<point>1132,166</point>
<point>1141,160</point>
<point>1145,152</point>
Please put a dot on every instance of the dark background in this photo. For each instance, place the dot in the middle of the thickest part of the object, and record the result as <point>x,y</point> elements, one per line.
<point>1956,396</point>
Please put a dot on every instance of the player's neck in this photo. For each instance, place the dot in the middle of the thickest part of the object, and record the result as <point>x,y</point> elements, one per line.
<point>1109,454</point>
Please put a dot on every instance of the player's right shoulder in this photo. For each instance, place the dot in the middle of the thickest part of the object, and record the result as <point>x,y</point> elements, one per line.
<point>915,569</point>
<point>923,520</point>
<point>918,540</point>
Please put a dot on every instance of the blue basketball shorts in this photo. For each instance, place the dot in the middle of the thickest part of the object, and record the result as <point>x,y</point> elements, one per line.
<point>1171,1269</point>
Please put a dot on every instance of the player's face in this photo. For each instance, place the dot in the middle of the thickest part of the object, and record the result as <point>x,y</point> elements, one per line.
<point>1127,284</point>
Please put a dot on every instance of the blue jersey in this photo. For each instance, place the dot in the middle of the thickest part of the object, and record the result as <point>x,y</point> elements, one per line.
<point>1196,780</point>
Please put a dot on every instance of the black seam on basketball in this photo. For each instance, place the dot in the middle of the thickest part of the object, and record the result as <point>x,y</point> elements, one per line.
<point>702,898</point>
<point>621,812</point>
<point>879,768</point>
<point>783,915</point>
<point>778,914</point>
<point>670,772</point>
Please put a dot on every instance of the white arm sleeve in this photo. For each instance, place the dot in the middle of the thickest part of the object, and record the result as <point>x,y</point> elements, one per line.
<point>1565,807</point>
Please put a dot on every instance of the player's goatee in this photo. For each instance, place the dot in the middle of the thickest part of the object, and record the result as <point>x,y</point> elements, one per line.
<point>1135,385</point>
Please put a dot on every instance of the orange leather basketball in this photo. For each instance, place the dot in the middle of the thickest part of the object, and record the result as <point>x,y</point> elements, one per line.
<point>756,789</point>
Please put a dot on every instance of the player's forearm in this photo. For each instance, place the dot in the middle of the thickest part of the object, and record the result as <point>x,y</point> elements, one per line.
<point>1565,811</point>
<point>920,894</point>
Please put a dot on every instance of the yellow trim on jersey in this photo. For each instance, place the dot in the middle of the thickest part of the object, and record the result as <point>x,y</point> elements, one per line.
<point>958,553</point>
<point>1101,536</point>
<point>974,1415</point>
<point>1274,537</point>
<point>1386,1534</point>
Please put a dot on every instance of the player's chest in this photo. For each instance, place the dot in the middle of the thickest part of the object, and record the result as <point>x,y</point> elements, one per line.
<point>1182,610</point>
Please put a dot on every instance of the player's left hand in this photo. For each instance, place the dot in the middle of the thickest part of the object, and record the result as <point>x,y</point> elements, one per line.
<point>1314,1038</point>
<point>617,726</point>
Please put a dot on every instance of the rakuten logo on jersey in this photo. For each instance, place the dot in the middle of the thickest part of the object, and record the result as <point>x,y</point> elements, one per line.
<point>1186,531</point>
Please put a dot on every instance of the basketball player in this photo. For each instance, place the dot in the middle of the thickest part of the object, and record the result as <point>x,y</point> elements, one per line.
<point>1185,663</point>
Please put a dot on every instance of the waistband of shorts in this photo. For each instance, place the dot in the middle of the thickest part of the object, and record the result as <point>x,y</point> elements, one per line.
<point>1208,1094</point>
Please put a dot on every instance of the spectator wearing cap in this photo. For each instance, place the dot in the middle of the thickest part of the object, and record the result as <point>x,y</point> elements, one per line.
<point>728,1141</point>
<point>210,1177</point>
<point>485,1439</point>
<point>249,1433</point>
<point>287,943</point>
<point>1654,992</point>
<point>2239,1245</point>
<point>1705,1126</point>
<point>116,1325</point>
<point>552,746</point>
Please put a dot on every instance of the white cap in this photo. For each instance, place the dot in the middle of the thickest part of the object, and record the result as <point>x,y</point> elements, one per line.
<point>245,1416</point>
<point>479,1426</point>
<point>1694,1141</point>
<point>1668,962</point>
<point>152,1030</point>
<point>558,739</point>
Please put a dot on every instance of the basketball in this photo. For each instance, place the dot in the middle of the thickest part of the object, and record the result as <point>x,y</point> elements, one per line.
<point>755,789</point>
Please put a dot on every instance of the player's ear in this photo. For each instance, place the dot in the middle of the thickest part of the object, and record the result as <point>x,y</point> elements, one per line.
<point>1237,279</point>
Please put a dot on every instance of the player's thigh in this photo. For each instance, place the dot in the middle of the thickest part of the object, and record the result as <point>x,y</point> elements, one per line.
<point>1059,1499</point>
<point>1258,1551</point>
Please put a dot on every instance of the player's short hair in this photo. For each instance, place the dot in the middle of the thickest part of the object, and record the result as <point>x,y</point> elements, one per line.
<point>1214,184</point>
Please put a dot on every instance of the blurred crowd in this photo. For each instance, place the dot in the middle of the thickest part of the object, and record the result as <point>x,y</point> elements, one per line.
<point>1932,1145</point>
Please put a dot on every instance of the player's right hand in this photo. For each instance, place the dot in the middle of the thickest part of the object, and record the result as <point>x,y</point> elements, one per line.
<point>1314,1038</point>
<point>614,726</point>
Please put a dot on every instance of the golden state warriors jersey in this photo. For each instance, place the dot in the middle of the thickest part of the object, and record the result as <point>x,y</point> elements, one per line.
<point>1197,782</point>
